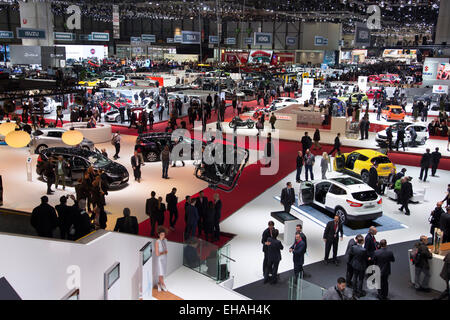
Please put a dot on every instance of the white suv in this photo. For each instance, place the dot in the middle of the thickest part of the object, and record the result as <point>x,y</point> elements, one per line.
<point>348,197</point>
<point>421,130</point>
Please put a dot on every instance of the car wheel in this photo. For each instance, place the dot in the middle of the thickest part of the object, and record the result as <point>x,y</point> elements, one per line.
<point>423,140</point>
<point>365,176</point>
<point>117,119</point>
<point>342,214</point>
<point>85,148</point>
<point>44,178</point>
<point>151,156</point>
<point>232,125</point>
<point>250,125</point>
<point>41,148</point>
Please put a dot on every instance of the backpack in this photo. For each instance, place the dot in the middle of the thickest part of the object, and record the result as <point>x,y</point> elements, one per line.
<point>415,255</point>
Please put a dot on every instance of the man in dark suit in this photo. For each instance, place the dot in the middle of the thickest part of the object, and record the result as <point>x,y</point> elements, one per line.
<point>217,215</point>
<point>373,177</point>
<point>337,145</point>
<point>435,158</point>
<point>331,237</point>
<point>151,209</point>
<point>349,275</point>
<point>371,244</point>
<point>136,165</point>
<point>266,234</point>
<point>127,224</point>
<point>298,250</point>
<point>172,201</point>
<point>202,207</point>
<point>424,165</point>
<point>358,257</point>
<point>81,220</point>
<point>192,218</point>
<point>287,197</point>
<point>65,217</point>
<point>400,138</point>
<point>383,258</point>
<point>306,142</point>
<point>444,225</point>
<point>405,194</point>
<point>43,219</point>
<point>274,248</point>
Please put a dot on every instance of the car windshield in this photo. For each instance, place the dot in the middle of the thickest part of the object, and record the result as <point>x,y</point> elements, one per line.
<point>347,181</point>
<point>99,160</point>
<point>381,159</point>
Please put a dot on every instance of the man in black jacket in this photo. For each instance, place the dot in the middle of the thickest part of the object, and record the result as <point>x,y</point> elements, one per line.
<point>373,177</point>
<point>266,234</point>
<point>287,197</point>
<point>444,225</point>
<point>349,275</point>
<point>358,257</point>
<point>306,142</point>
<point>371,244</point>
<point>65,217</point>
<point>127,224</point>
<point>274,248</point>
<point>81,220</point>
<point>422,265</point>
<point>217,215</point>
<point>44,219</point>
<point>389,137</point>
<point>136,165</point>
<point>151,209</point>
<point>435,158</point>
<point>400,137</point>
<point>405,194</point>
<point>425,164</point>
<point>337,145</point>
<point>383,258</point>
<point>298,250</point>
<point>299,166</point>
<point>331,237</point>
<point>202,208</point>
<point>172,201</point>
<point>435,219</point>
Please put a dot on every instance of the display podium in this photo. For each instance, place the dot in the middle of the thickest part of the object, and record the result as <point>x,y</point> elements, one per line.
<point>290,222</point>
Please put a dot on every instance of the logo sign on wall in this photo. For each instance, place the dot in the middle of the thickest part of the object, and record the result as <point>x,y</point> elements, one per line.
<point>262,39</point>
<point>248,40</point>
<point>230,41</point>
<point>291,41</point>
<point>99,36</point>
<point>64,36</point>
<point>135,40</point>
<point>190,37</point>
<point>437,88</point>
<point>320,41</point>
<point>148,38</point>
<point>169,40</point>
<point>307,88</point>
<point>214,39</point>
<point>178,39</point>
<point>6,35</point>
<point>23,33</point>
<point>362,83</point>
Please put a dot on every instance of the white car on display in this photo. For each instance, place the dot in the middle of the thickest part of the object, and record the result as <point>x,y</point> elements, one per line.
<point>282,102</point>
<point>350,198</point>
<point>45,138</point>
<point>50,105</point>
<point>112,82</point>
<point>421,130</point>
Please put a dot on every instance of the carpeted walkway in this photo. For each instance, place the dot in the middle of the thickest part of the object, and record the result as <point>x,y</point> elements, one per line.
<point>325,276</point>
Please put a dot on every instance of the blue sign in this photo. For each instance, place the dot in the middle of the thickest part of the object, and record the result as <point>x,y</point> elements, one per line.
<point>190,37</point>
<point>6,35</point>
<point>148,38</point>
<point>230,41</point>
<point>262,38</point>
<point>178,39</point>
<point>291,41</point>
<point>248,40</point>
<point>99,36</point>
<point>214,39</point>
<point>64,36</point>
<point>135,39</point>
<point>169,40</point>
<point>23,33</point>
<point>320,41</point>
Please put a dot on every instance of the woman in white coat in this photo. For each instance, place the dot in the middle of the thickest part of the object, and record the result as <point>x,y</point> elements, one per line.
<point>161,257</point>
<point>324,164</point>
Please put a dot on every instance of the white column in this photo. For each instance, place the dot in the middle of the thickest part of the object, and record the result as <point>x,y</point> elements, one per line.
<point>37,15</point>
<point>443,23</point>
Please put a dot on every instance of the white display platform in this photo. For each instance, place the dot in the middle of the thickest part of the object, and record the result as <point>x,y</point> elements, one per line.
<point>436,264</point>
<point>418,195</point>
<point>100,134</point>
<point>338,124</point>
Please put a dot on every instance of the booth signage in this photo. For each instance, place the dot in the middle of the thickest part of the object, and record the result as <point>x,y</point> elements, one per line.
<point>248,40</point>
<point>307,87</point>
<point>23,33</point>
<point>438,88</point>
<point>99,36</point>
<point>6,35</point>
<point>116,22</point>
<point>170,40</point>
<point>230,41</point>
<point>190,37</point>
<point>135,40</point>
<point>64,36</point>
<point>262,38</point>
<point>178,38</point>
<point>362,83</point>
<point>320,41</point>
<point>148,38</point>
<point>25,54</point>
<point>362,34</point>
<point>85,37</point>
<point>291,41</point>
<point>214,39</point>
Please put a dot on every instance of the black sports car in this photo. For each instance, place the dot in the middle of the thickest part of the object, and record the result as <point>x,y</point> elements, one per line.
<point>116,175</point>
<point>238,122</point>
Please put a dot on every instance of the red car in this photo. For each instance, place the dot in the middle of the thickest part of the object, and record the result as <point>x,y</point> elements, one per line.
<point>373,78</point>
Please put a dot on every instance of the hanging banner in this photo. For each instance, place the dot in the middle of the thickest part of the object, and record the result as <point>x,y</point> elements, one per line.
<point>178,38</point>
<point>248,40</point>
<point>64,36</point>
<point>169,40</point>
<point>116,22</point>
<point>362,83</point>
<point>99,36</point>
<point>291,41</point>
<point>262,39</point>
<point>6,35</point>
<point>148,38</point>
<point>24,33</point>
<point>320,41</point>
<point>214,39</point>
<point>230,41</point>
<point>362,35</point>
<point>307,88</point>
<point>190,37</point>
<point>437,88</point>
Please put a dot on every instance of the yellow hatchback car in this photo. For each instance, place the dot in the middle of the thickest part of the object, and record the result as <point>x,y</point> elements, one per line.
<point>358,163</point>
<point>89,83</point>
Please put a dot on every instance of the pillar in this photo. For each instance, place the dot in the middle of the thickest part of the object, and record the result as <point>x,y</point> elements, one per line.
<point>37,15</point>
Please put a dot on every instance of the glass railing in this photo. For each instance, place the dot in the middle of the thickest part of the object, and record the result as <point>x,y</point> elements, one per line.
<point>299,289</point>
<point>207,258</point>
